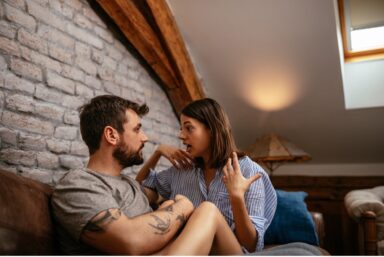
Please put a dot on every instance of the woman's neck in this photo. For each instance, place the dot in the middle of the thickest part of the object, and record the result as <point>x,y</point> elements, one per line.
<point>209,175</point>
<point>206,158</point>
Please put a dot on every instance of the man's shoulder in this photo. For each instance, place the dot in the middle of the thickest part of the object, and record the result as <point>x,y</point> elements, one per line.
<point>75,177</point>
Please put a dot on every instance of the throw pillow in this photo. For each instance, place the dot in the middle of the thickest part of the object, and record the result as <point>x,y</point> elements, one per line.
<point>292,221</point>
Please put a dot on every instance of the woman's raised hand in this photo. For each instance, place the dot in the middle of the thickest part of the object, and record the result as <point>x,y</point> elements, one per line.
<point>179,158</point>
<point>234,180</point>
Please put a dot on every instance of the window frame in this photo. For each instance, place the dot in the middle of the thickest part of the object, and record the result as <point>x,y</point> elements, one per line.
<point>355,55</point>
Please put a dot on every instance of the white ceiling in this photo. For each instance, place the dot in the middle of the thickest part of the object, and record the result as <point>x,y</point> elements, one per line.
<point>289,50</point>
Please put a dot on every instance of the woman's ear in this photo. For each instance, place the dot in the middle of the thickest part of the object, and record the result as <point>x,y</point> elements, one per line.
<point>111,135</point>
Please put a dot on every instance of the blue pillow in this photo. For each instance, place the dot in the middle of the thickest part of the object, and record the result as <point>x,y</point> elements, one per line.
<point>292,221</point>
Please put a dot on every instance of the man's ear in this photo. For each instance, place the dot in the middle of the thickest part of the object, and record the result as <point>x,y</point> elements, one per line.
<point>111,135</point>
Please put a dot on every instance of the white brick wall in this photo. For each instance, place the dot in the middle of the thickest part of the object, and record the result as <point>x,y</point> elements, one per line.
<point>55,56</point>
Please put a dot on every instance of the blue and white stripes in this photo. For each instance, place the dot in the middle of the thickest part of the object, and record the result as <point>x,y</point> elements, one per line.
<point>260,198</point>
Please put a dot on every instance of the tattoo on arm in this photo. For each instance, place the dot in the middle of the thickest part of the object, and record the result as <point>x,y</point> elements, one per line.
<point>161,226</point>
<point>168,209</point>
<point>98,223</point>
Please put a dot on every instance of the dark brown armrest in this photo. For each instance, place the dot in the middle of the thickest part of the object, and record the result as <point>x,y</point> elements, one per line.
<point>368,222</point>
<point>319,225</point>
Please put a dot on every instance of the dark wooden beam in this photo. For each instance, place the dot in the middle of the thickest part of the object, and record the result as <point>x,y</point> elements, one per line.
<point>135,27</point>
<point>151,29</point>
<point>176,48</point>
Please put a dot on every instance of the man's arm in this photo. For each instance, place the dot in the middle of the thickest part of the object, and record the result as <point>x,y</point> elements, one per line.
<point>112,232</point>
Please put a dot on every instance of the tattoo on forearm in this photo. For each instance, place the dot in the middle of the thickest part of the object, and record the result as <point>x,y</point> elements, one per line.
<point>182,219</point>
<point>103,219</point>
<point>161,226</point>
<point>168,209</point>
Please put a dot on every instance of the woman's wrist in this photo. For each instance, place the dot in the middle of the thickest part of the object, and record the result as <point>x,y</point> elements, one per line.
<point>159,151</point>
<point>237,197</point>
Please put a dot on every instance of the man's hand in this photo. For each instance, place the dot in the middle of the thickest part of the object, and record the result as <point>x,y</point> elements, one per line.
<point>179,158</point>
<point>186,203</point>
<point>166,204</point>
<point>234,180</point>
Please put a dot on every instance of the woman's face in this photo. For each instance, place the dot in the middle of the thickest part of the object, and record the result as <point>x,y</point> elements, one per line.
<point>195,136</point>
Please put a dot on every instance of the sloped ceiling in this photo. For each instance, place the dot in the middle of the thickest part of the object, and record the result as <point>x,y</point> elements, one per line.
<point>150,27</point>
<point>288,51</point>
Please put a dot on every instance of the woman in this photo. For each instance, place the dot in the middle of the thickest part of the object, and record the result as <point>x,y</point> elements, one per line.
<point>209,170</point>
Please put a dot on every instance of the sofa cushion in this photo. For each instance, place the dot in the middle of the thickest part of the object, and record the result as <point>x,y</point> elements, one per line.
<point>25,220</point>
<point>292,221</point>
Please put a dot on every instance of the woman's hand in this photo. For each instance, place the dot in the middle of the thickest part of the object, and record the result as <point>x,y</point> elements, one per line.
<point>234,180</point>
<point>179,158</point>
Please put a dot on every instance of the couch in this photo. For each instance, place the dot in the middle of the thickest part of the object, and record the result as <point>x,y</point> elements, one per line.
<point>366,207</point>
<point>26,225</point>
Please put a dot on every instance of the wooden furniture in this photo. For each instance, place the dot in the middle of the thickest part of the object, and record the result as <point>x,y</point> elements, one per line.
<point>367,234</point>
<point>366,207</point>
<point>326,195</point>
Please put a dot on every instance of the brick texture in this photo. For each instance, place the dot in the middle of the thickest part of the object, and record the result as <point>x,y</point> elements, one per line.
<point>26,69</point>
<point>20,17</point>
<point>54,56</point>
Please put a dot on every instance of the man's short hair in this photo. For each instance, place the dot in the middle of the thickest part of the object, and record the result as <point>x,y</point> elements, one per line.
<point>102,111</point>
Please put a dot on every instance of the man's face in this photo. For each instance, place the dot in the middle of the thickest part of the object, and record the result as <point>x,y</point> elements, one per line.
<point>128,151</point>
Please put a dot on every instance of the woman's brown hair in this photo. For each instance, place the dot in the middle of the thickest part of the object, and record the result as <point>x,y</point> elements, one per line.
<point>213,116</point>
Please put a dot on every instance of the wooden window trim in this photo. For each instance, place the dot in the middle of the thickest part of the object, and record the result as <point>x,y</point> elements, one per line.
<point>350,55</point>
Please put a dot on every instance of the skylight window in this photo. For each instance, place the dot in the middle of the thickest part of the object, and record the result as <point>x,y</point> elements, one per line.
<point>365,39</point>
<point>362,29</point>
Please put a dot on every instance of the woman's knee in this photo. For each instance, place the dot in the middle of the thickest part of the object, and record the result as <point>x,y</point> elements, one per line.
<point>208,208</point>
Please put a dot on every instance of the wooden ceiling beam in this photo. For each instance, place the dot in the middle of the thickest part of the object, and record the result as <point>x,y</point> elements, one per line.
<point>176,48</point>
<point>136,29</point>
<point>152,30</point>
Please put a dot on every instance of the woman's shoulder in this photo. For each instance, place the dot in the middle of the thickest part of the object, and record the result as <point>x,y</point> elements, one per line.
<point>245,160</point>
<point>172,172</point>
<point>247,163</point>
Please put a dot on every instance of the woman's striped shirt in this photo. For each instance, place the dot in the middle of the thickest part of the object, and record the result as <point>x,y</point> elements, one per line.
<point>260,199</point>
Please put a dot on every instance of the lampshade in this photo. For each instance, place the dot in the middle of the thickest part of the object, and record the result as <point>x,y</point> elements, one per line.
<point>272,150</point>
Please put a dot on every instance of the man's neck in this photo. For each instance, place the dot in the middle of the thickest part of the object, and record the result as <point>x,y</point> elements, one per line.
<point>104,164</point>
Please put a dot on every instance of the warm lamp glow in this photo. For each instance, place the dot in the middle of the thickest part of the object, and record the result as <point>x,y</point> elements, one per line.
<point>271,90</point>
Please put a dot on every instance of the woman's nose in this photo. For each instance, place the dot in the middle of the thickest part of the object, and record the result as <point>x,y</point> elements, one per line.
<point>181,135</point>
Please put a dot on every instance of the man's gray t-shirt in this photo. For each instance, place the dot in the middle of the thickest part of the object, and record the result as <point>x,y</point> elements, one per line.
<point>81,194</point>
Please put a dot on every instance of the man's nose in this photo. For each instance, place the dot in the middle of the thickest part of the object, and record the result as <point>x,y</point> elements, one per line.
<point>144,138</point>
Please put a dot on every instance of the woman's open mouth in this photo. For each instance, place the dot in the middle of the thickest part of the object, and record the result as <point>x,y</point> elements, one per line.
<point>188,148</point>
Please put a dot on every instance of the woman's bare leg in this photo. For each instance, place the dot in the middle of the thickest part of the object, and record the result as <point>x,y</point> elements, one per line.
<point>205,232</point>
<point>225,239</point>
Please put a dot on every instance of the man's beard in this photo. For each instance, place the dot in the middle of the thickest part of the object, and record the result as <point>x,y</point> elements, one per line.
<point>125,157</point>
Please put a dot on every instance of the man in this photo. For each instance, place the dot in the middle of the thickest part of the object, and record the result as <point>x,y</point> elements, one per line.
<point>99,210</point>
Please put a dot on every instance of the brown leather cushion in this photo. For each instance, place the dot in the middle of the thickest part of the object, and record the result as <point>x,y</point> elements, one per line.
<point>25,220</point>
